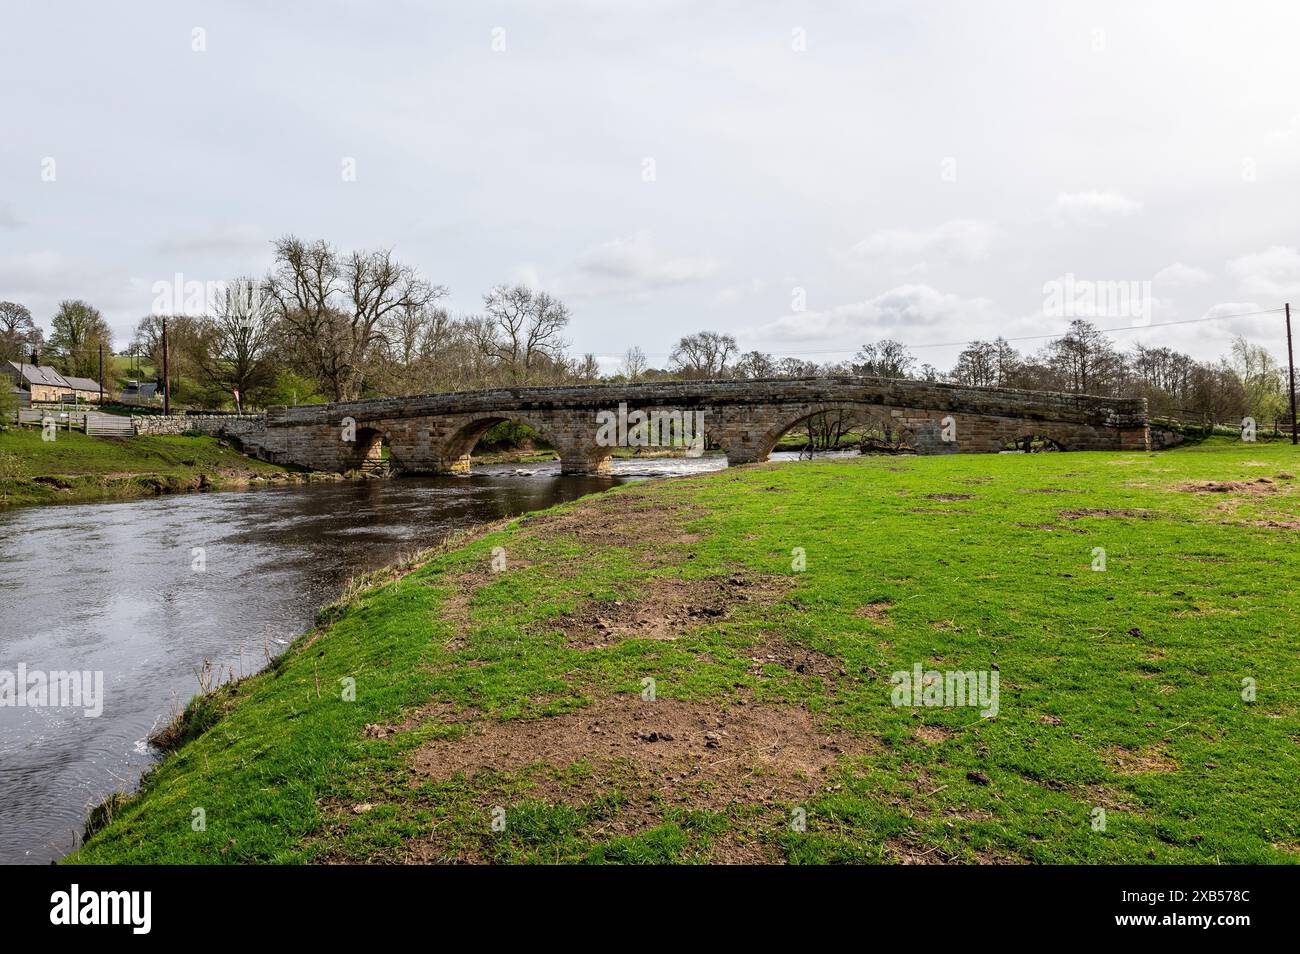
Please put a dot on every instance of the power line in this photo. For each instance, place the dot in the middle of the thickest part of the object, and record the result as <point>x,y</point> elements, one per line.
<point>956,344</point>
<point>1107,331</point>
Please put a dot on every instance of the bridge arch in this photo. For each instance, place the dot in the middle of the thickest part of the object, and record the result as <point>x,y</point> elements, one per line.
<point>857,415</point>
<point>366,451</point>
<point>578,452</point>
<point>1033,438</point>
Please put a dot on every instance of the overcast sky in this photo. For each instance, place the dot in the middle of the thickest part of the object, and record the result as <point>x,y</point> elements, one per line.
<point>910,170</point>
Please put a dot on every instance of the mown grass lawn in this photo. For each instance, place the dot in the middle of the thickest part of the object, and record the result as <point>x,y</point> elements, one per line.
<point>74,467</point>
<point>500,709</point>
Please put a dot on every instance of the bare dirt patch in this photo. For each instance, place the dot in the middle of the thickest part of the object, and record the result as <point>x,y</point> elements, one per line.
<point>778,651</point>
<point>1260,485</point>
<point>621,520</point>
<point>1093,794</point>
<point>899,851</point>
<point>1106,512</point>
<point>902,851</point>
<point>948,496</point>
<point>932,734</point>
<point>455,608</point>
<point>1112,799</point>
<point>664,609</point>
<point>1277,524</point>
<point>1139,761</point>
<point>696,754</point>
<point>877,612</point>
<point>617,520</point>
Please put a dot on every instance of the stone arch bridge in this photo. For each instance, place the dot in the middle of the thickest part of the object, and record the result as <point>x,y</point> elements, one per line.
<point>744,419</point>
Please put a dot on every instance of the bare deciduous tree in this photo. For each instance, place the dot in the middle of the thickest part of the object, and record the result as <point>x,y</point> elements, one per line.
<point>1084,359</point>
<point>703,355</point>
<point>634,364</point>
<point>586,371</point>
<point>756,364</point>
<point>335,307</point>
<point>886,359</point>
<point>231,349</point>
<point>522,330</point>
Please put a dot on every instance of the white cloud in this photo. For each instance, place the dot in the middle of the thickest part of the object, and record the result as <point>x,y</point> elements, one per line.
<point>530,275</point>
<point>219,238</point>
<point>958,240</point>
<point>1225,308</point>
<point>41,279</point>
<point>1093,204</point>
<point>631,266</point>
<point>918,314</point>
<point>34,272</point>
<point>1272,273</point>
<point>8,217</point>
<point>1283,135</point>
<point>1179,275</point>
<point>635,261</point>
<point>734,293</point>
<point>1213,339</point>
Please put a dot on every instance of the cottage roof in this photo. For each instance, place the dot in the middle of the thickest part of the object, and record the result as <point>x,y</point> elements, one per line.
<point>82,384</point>
<point>41,374</point>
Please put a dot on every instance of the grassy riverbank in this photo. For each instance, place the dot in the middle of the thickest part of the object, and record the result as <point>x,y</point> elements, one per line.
<point>75,468</point>
<point>504,679</point>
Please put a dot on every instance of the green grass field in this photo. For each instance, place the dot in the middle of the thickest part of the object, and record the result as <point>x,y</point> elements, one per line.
<point>74,467</point>
<point>502,710</point>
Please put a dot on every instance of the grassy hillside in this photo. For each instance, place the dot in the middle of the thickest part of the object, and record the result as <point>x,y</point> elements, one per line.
<point>501,711</point>
<point>74,467</point>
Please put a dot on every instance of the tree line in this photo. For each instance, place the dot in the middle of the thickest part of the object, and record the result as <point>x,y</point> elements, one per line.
<point>329,325</point>
<point>1247,382</point>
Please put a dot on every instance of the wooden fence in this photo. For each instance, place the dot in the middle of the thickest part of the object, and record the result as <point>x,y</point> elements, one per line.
<point>93,423</point>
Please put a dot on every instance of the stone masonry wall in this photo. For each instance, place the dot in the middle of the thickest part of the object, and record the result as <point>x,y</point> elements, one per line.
<point>211,424</point>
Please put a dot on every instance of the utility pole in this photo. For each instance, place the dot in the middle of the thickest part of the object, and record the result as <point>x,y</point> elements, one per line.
<point>101,374</point>
<point>167,374</point>
<point>1290,363</point>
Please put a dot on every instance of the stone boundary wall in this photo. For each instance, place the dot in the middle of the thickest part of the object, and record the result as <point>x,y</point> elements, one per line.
<point>211,424</point>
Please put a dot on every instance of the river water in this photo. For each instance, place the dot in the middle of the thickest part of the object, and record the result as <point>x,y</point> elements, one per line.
<point>112,587</point>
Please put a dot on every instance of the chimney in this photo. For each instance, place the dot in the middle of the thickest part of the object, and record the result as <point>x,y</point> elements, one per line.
<point>36,357</point>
